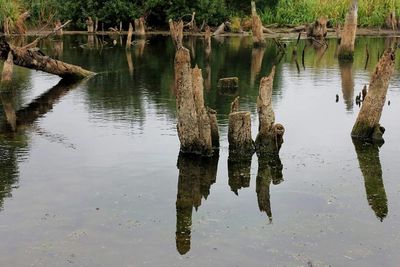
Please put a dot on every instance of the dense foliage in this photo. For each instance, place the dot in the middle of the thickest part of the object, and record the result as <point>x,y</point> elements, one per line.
<point>212,12</point>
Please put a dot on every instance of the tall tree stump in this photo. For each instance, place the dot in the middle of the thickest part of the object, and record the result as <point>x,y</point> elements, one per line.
<point>257,27</point>
<point>129,37</point>
<point>140,28</point>
<point>90,25</point>
<point>367,124</point>
<point>241,144</point>
<point>270,135</point>
<point>176,31</point>
<point>348,35</point>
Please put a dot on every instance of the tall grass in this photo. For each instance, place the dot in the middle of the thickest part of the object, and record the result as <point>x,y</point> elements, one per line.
<point>9,11</point>
<point>371,13</point>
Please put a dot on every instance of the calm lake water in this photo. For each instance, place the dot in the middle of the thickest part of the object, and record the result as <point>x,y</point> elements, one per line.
<point>90,178</point>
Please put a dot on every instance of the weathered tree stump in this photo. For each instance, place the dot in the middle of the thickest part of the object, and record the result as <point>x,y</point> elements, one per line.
<point>270,135</point>
<point>129,37</point>
<point>58,27</point>
<point>195,130</point>
<point>6,75</point>
<point>196,175</point>
<point>176,31</point>
<point>257,27</point>
<point>90,25</point>
<point>367,124</point>
<point>33,58</point>
<point>318,29</point>
<point>241,144</point>
<point>348,35</point>
<point>228,86</point>
<point>140,28</point>
<point>212,115</point>
<point>371,169</point>
<point>207,38</point>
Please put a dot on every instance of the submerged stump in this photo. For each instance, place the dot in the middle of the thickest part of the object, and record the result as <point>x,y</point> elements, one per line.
<point>348,35</point>
<point>270,135</point>
<point>367,125</point>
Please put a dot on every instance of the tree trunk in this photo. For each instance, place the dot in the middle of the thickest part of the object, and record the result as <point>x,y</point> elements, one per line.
<point>241,145</point>
<point>89,24</point>
<point>257,27</point>
<point>270,135</point>
<point>176,30</point>
<point>367,123</point>
<point>348,35</point>
<point>140,26</point>
<point>35,59</point>
<point>129,37</point>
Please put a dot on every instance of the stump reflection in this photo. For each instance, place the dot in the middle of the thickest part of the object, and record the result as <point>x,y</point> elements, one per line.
<point>371,169</point>
<point>239,174</point>
<point>196,175</point>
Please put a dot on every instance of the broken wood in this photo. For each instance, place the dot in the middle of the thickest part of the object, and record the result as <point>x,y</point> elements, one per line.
<point>129,37</point>
<point>348,35</point>
<point>367,125</point>
<point>35,59</point>
<point>270,135</point>
<point>212,115</point>
<point>176,31</point>
<point>257,27</point>
<point>318,29</point>
<point>220,30</point>
<point>140,28</point>
<point>89,24</point>
<point>241,145</point>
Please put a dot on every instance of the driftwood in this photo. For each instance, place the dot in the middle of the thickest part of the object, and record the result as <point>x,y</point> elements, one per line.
<point>176,31</point>
<point>348,35</point>
<point>270,135</point>
<point>257,27</point>
<point>35,59</point>
<point>212,115</point>
<point>90,25</point>
<point>129,37</point>
<point>241,145</point>
<point>220,29</point>
<point>367,124</point>
<point>140,28</point>
<point>318,29</point>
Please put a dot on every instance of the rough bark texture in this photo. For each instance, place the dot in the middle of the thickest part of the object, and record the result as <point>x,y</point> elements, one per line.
<point>195,129</point>
<point>318,29</point>
<point>176,30</point>
<point>196,175</point>
<point>270,135</point>
<point>140,26</point>
<point>58,27</point>
<point>370,165</point>
<point>129,37</point>
<point>241,145</point>
<point>35,59</point>
<point>212,114</point>
<point>348,35</point>
<point>257,27</point>
<point>367,123</point>
<point>203,119</point>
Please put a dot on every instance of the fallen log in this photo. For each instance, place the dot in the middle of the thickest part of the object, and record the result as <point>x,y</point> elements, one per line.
<point>348,35</point>
<point>270,135</point>
<point>35,59</point>
<point>367,124</point>
<point>241,145</point>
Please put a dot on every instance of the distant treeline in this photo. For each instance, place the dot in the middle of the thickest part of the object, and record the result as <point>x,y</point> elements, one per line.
<point>372,13</point>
